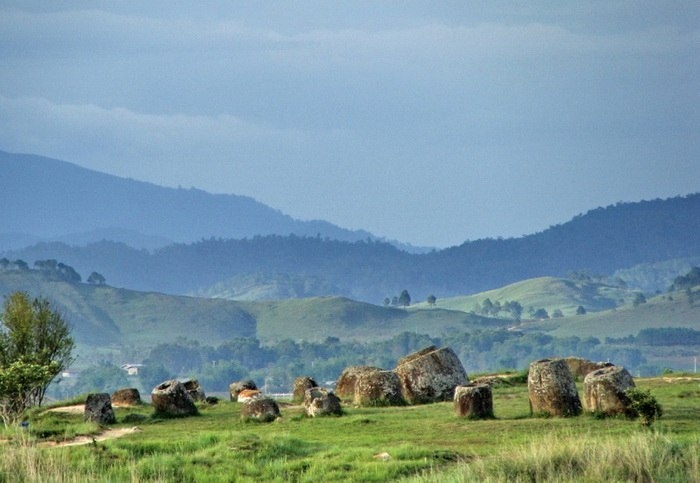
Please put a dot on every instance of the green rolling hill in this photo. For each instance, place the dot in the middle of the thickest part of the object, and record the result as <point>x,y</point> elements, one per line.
<point>550,293</point>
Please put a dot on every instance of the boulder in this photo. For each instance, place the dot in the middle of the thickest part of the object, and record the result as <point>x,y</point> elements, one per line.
<point>98,409</point>
<point>580,367</point>
<point>194,389</point>
<point>321,402</point>
<point>170,398</point>
<point>604,390</point>
<point>261,409</point>
<point>128,396</point>
<point>345,385</point>
<point>430,375</point>
<point>378,388</point>
<point>474,401</point>
<point>301,384</point>
<point>551,389</point>
<point>236,387</point>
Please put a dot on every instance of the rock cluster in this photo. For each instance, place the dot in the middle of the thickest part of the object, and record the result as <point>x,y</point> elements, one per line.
<point>428,375</point>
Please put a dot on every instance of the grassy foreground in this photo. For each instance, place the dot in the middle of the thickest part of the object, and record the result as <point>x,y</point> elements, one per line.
<point>414,443</point>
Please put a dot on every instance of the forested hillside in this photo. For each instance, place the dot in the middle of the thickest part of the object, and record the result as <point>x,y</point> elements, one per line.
<point>599,242</point>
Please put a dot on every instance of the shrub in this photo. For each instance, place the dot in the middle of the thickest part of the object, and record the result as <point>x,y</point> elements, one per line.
<point>643,405</point>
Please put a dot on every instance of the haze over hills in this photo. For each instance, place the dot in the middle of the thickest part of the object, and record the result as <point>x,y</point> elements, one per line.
<point>48,199</point>
<point>245,250</point>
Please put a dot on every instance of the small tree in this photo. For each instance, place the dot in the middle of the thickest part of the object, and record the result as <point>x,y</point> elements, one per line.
<point>96,279</point>
<point>36,337</point>
<point>580,310</point>
<point>404,298</point>
<point>431,300</point>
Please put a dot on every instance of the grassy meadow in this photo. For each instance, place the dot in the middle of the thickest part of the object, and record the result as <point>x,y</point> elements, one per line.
<point>411,443</point>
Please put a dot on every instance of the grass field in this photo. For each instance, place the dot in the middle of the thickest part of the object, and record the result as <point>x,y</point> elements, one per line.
<point>414,443</point>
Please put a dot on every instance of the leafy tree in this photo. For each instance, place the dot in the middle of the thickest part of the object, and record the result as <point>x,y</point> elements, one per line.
<point>540,314</point>
<point>431,300</point>
<point>639,299</point>
<point>387,301</point>
<point>96,279</point>
<point>35,346</point>
<point>18,382</point>
<point>515,309</point>
<point>557,314</point>
<point>404,298</point>
<point>580,310</point>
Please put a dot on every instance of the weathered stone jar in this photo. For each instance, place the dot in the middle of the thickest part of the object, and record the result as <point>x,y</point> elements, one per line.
<point>474,401</point>
<point>551,389</point>
<point>604,390</point>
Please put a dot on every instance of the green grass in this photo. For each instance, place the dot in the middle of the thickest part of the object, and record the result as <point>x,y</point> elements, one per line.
<point>423,443</point>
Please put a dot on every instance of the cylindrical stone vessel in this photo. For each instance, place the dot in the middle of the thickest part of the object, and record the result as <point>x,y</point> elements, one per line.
<point>604,390</point>
<point>474,401</point>
<point>378,388</point>
<point>551,389</point>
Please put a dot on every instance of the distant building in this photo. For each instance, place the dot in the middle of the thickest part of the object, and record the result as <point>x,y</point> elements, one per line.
<point>132,369</point>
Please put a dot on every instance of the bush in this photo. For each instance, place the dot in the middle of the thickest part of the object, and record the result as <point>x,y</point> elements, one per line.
<point>643,405</point>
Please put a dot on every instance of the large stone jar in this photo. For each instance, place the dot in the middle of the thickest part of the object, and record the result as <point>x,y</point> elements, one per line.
<point>551,389</point>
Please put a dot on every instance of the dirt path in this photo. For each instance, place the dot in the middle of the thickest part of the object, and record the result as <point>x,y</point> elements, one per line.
<point>103,436</point>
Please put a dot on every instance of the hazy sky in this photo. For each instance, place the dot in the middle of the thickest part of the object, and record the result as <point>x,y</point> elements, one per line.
<point>427,122</point>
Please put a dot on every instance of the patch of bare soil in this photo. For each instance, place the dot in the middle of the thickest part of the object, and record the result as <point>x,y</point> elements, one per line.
<point>103,436</point>
<point>77,409</point>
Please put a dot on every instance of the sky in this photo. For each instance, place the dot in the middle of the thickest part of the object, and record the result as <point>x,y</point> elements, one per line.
<point>431,123</point>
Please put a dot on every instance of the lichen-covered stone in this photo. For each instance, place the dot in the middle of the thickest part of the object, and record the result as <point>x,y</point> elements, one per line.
<point>172,399</point>
<point>474,401</point>
<point>430,375</point>
<point>128,396</point>
<point>262,410</point>
<point>345,385</point>
<point>321,402</point>
<point>604,390</point>
<point>551,389</point>
<point>98,409</point>
<point>378,388</point>
<point>580,367</point>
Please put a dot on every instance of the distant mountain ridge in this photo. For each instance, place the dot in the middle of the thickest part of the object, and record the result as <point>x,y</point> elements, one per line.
<point>47,199</point>
<point>599,242</point>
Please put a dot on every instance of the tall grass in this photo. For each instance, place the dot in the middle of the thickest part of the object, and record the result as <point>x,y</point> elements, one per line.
<point>641,457</point>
